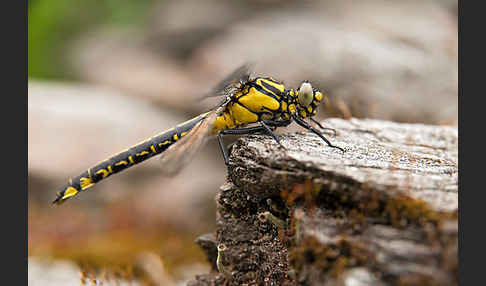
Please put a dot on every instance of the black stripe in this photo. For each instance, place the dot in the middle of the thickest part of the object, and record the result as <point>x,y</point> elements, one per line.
<point>264,91</point>
<point>271,88</point>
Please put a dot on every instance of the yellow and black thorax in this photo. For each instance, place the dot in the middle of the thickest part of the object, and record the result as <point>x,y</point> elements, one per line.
<point>264,98</point>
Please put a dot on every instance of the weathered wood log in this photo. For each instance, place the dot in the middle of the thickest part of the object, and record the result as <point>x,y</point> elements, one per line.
<point>384,212</point>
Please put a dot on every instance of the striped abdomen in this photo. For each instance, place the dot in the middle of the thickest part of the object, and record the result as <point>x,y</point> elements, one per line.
<point>125,159</point>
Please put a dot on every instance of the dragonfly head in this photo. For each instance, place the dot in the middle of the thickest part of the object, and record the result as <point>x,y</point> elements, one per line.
<point>307,100</point>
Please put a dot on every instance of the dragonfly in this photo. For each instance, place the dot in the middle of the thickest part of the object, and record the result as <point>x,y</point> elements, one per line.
<point>248,105</point>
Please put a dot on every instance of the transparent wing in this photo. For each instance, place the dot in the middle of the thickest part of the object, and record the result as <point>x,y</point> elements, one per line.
<point>226,86</point>
<point>181,153</point>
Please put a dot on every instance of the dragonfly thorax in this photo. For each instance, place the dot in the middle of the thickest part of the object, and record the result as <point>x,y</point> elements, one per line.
<point>260,98</point>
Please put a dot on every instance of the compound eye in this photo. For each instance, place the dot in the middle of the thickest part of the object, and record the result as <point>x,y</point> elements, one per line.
<point>306,94</point>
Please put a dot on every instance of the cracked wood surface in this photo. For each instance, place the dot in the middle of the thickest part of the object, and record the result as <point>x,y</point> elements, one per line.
<point>416,160</point>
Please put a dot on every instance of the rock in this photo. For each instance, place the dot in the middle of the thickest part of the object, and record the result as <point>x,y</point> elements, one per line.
<point>393,61</point>
<point>387,60</point>
<point>115,59</point>
<point>383,212</point>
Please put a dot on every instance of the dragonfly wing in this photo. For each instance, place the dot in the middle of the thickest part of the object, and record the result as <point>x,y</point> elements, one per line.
<point>240,74</point>
<point>181,153</point>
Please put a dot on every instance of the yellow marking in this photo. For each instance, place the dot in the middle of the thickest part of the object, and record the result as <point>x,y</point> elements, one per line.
<point>242,92</point>
<point>85,183</point>
<point>256,101</point>
<point>104,172</point>
<point>285,116</point>
<point>130,158</point>
<point>303,113</point>
<point>284,106</point>
<point>318,96</point>
<point>292,108</point>
<point>245,90</point>
<point>242,115</point>
<point>266,116</point>
<point>224,121</point>
<point>309,109</point>
<point>153,148</point>
<point>164,143</point>
<point>110,169</point>
<point>69,192</point>
<point>121,163</point>
<point>280,87</point>
<point>142,153</point>
<point>175,137</point>
<point>183,133</point>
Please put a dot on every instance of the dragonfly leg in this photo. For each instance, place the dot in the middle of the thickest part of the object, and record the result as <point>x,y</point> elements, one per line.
<point>275,124</point>
<point>315,131</point>
<point>241,131</point>
<point>322,127</point>
<point>270,132</point>
<point>244,131</point>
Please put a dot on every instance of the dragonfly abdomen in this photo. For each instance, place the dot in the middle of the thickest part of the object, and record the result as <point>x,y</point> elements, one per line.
<point>125,159</point>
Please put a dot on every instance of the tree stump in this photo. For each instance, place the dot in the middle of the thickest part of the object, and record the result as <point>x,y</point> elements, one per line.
<point>384,212</point>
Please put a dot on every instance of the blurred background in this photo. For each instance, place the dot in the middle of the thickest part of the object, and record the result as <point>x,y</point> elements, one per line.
<point>106,74</point>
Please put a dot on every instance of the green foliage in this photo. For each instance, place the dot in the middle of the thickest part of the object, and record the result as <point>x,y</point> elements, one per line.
<point>52,24</point>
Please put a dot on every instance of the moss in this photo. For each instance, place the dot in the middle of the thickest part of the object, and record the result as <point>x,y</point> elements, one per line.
<point>332,258</point>
<point>363,203</point>
<point>307,192</point>
<point>400,211</point>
